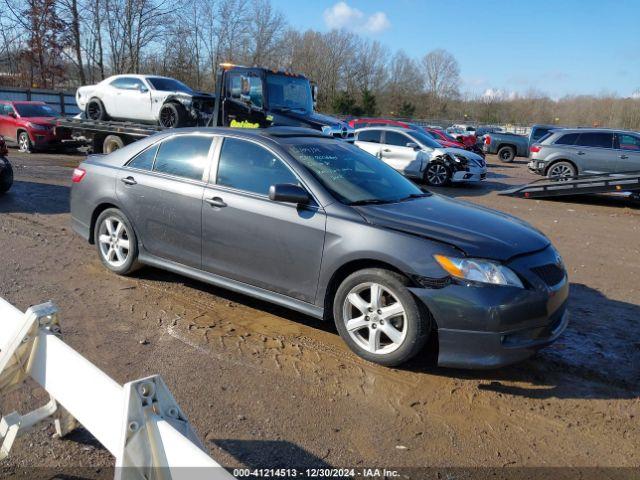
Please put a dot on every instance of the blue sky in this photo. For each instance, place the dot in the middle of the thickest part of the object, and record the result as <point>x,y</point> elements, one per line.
<point>558,47</point>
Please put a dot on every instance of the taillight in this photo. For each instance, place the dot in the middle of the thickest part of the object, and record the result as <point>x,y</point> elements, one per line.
<point>534,149</point>
<point>78,175</point>
<point>487,140</point>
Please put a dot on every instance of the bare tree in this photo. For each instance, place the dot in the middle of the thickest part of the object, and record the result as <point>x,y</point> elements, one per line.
<point>441,74</point>
<point>266,30</point>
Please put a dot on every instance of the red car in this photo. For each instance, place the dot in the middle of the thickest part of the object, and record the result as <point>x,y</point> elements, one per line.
<point>6,171</point>
<point>441,137</point>
<point>29,124</point>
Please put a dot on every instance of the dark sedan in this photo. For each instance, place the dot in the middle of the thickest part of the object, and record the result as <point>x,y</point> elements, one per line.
<point>317,225</point>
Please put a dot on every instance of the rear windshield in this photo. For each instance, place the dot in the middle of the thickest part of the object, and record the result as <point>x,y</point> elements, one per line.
<point>544,137</point>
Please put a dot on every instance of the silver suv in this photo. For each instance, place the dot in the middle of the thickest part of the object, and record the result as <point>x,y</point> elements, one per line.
<point>570,152</point>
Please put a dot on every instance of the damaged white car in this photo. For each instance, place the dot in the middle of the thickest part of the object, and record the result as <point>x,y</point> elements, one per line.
<point>145,98</point>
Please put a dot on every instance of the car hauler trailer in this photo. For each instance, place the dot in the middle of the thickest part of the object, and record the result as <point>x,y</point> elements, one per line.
<point>627,182</point>
<point>246,97</point>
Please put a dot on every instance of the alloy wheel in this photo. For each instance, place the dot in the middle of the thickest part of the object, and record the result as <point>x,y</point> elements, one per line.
<point>374,318</point>
<point>437,174</point>
<point>114,241</point>
<point>93,111</point>
<point>168,118</point>
<point>561,171</point>
<point>23,143</point>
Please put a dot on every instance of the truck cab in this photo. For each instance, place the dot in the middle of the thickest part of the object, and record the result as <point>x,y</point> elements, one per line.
<point>253,97</point>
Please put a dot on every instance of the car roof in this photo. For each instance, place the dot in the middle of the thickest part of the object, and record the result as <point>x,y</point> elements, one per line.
<point>386,128</point>
<point>23,102</point>
<point>136,75</point>
<point>270,132</point>
<point>594,130</point>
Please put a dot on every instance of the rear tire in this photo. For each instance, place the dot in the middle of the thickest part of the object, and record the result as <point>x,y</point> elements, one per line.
<point>24,143</point>
<point>116,242</point>
<point>562,169</point>
<point>172,115</point>
<point>6,178</point>
<point>437,174</point>
<point>506,154</point>
<point>399,324</point>
<point>95,110</point>
<point>111,144</point>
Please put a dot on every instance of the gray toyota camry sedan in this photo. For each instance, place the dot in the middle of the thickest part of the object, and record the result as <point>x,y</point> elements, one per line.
<point>317,225</point>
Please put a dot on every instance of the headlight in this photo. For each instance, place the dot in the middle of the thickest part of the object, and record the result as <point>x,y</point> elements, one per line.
<point>476,270</point>
<point>35,126</point>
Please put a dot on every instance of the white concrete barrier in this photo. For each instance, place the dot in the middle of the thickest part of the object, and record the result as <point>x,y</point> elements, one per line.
<point>140,423</point>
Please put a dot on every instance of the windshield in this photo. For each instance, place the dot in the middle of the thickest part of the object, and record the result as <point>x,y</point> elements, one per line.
<point>31,110</point>
<point>425,139</point>
<point>352,175</point>
<point>168,85</point>
<point>289,93</point>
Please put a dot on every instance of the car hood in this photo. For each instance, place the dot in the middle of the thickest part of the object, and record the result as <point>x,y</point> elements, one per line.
<point>449,143</point>
<point>46,121</point>
<point>474,157</point>
<point>477,231</point>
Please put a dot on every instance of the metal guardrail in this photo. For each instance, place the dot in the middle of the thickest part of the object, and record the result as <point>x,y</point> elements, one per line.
<point>140,423</point>
<point>62,101</point>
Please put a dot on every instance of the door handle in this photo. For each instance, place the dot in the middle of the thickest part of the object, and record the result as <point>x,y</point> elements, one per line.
<point>624,157</point>
<point>215,202</point>
<point>387,150</point>
<point>129,180</point>
<point>580,153</point>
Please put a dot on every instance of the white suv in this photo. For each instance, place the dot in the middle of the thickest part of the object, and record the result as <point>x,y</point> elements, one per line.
<point>417,155</point>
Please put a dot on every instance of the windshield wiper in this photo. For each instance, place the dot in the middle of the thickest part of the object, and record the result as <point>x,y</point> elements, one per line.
<point>289,109</point>
<point>415,195</point>
<point>369,201</point>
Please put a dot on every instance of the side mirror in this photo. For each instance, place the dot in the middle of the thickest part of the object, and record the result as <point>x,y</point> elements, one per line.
<point>143,89</point>
<point>288,193</point>
<point>314,94</point>
<point>12,114</point>
<point>413,145</point>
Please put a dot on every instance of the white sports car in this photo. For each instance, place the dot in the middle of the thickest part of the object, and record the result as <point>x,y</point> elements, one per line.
<point>145,98</point>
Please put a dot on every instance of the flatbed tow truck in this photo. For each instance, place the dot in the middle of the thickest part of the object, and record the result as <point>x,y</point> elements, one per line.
<point>623,182</point>
<point>246,97</point>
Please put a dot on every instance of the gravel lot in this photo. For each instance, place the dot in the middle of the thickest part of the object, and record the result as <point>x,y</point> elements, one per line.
<point>266,387</point>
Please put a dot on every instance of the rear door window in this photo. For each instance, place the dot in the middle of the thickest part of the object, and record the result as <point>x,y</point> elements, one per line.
<point>144,160</point>
<point>568,139</point>
<point>595,139</point>
<point>372,136</point>
<point>183,156</point>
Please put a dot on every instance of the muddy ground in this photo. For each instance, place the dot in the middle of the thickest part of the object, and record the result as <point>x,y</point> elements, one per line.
<point>265,386</point>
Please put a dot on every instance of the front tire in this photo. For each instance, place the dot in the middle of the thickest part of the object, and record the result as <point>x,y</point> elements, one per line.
<point>378,318</point>
<point>172,115</point>
<point>437,174</point>
<point>116,242</point>
<point>24,143</point>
